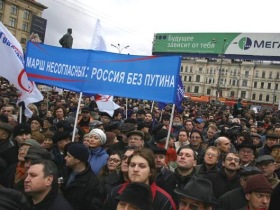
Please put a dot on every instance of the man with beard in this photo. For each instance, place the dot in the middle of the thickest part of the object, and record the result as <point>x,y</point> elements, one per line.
<point>164,177</point>
<point>228,177</point>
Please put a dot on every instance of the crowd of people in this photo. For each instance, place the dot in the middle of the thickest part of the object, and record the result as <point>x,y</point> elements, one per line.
<point>215,157</point>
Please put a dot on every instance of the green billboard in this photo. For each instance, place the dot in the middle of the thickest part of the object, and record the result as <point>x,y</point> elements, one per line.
<point>255,44</point>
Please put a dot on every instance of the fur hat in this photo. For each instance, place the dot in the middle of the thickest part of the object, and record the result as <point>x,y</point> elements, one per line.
<point>78,151</point>
<point>258,183</point>
<point>137,194</point>
<point>100,134</point>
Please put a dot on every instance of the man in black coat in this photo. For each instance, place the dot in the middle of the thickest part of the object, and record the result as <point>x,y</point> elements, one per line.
<point>80,185</point>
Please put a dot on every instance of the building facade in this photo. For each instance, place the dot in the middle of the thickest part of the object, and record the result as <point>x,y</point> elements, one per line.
<point>255,81</point>
<point>16,15</point>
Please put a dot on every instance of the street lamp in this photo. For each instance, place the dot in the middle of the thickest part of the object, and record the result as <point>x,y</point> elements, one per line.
<point>119,48</point>
<point>220,69</point>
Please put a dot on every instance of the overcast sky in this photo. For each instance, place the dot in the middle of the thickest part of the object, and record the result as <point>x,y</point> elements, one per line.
<point>134,22</point>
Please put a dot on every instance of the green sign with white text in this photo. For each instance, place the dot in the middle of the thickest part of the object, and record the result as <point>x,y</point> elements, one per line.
<point>255,44</point>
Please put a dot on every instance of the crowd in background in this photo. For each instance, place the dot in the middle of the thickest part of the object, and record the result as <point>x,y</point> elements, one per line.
<point>96,164</point>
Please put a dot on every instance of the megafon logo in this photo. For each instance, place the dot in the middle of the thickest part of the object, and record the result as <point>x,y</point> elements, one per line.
<point>245,43</point>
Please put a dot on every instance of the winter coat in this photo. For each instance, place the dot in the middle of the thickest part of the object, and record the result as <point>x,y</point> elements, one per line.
<point>161,199</point>
<point>83,192</point>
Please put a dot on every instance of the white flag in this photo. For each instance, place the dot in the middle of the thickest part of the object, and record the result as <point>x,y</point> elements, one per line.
<point>98,42</point>
<point>106,104</point>
<point>12,68</point>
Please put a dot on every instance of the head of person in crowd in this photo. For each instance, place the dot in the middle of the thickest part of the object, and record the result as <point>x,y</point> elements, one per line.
<point>246,172</point>
<point>96,124</point>
<point>196,139</point>
<point>186,160</point>
<point>41,178</point>
<point>117,116</point>
<point>177,121</point>
<point>24,147</point>
<point>258,192</point>
<point>8,109</point>
<point>266,164</point>
<point>5,131</point>
<point>141,166</point>
<point>260,127</point>
<point>196,194</point>
<point>86,140</point>
<point>223,144</point>
<point>211,156</point>
<point>36,123</point>
<point>140,115</point>
<point>11,199</point>
<point>85,114</point>
<point>135,138</point>
<point>257,140</point>
<point>61,139</point>
<point>199,123</point>
<point>64,125</point>
<point>48,123</point>
<point>124,164</point>
<point>275,153</point>
<point>124,129</point>
<point>144,127</point>
<point>111,139</point>
<point>160,157</point>
<point>244,136</point>
<point>277,129</point>
<point>105,118</point>
<point>113,164</point>
<point>76,157</point>
<point>231,163</point>
<point>161,137</point>
<point>113,127</point>
<point>60,112</point>
<point>246,151</point>
<point>137,196</point>
<point>149,117</point>
<point>183,137</point>
<point>271,139</point>
<point>22,131</point>
<point>48,141</point>
<point>97,138</point>
<point>34,110</point>
<point>166,119</point>
<point>253,129</point>
<point>189,125</point>
<point>211,132</point>
<point>38,136</point>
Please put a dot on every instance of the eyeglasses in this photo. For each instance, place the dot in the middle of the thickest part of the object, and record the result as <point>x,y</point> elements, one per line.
<point>124,157</point>
<point>211,154</point>
<point>115,160</point>
<point>231,159</point>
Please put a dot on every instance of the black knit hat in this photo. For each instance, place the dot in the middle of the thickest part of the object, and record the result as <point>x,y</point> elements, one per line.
<point>78,151</point>
<point>22,128</point>
<point>161,136</point>
<point>137,194</point>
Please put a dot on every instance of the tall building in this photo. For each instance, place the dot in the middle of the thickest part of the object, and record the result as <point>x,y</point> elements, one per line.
<point>16,15</point>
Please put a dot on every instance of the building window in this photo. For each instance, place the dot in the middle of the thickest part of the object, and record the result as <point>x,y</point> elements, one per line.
<point>246,74</point>
<point>260,97</point>
<point>263,74</point>
<point>185,78</point>
<point>208,91</point>
<point>268,85</point>
<point>233,82</point>
<point>270,75</point>
<point>254,96</point>
<point>1,4</point>
<point>196,89</point>
<point>231,93</point>
<point>267,98</point>
<point>181,68</point>
<point>14,9</point>
<point>257,74</point>
<point>25,26</point>
<point>26,14</point>
<point>262,85</point>
<point>211,70</point>
<point>244,83</point>
<point>191,68</point>
<point>189,89</point>
<point>243,94</point>
<point>255,84</point>
<point>200,69</point>
<point>186,68</point>
<point>190,78</point>
<point>13,22</point>
<point>277,75</point>
<point>276,86</point>
<point>23,40</point>
<point>197,79</point>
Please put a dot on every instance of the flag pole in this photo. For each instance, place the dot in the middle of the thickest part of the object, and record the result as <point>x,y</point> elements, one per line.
<point>77,116</point>
<point>126,105</point>
<point>170,126</point>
